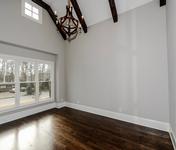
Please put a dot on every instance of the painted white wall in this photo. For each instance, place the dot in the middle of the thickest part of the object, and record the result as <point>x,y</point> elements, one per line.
<point>122,67</point>
<point>14,50</point>
<point>19,30</point>
<point>171,29</point>
<point>60,77</point>
<point>29,35</point>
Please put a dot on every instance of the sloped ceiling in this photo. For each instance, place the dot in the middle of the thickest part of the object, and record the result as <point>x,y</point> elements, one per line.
<point>95,11</point>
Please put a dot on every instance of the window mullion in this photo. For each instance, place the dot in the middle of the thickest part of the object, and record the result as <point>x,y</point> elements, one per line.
<point>52,81</point>
<point>17,84</point>
<point>37,82</point>
<point>29,10</point>
<point>5,65</point>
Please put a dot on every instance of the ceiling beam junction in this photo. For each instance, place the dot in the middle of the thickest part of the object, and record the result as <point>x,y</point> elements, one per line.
<point>113,10</point>
<point>79,15</point>
<point>52,15</point>
<point>162,3</point>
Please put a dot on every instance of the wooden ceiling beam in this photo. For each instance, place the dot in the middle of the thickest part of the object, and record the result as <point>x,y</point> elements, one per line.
<point>113,10</point>
<point>41,3</point>
<point>79,15</point>
<point>162,3</point>
<point>52,15</point>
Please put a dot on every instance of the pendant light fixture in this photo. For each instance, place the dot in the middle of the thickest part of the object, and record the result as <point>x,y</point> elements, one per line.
<point>68,24</point>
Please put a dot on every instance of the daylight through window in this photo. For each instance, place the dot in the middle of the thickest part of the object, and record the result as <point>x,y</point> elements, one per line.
<point>24,82</point>
<point>31,11</point>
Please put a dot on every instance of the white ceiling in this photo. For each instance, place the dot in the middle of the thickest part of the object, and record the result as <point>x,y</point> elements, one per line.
<point>95,11</point>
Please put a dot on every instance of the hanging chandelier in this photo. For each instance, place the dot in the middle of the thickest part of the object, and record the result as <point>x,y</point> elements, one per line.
<point>68,24</point>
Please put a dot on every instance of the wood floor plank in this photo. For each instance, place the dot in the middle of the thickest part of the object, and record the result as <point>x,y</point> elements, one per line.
<point>69,129</point>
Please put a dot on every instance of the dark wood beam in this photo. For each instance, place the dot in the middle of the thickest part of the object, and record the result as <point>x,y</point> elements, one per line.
<point>113,10</point>
<point>79,15</point>
<point>41,3</point>
<point>52,15</point>
<point>162,3</point>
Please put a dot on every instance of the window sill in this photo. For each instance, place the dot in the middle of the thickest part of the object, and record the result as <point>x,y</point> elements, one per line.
<point>23,107</point>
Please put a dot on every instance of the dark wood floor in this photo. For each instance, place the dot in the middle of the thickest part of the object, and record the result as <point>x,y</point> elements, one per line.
<point>68,129</point>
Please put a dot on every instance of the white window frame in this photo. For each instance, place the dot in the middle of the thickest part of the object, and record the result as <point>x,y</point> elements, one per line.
<point>51,80</point>
<point>33,5</point>
<point>18,60</point>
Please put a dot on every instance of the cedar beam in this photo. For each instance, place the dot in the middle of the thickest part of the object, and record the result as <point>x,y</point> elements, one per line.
<point>113,10</point>
<point>79,15</point>
<point>52,15</point>
<point>162,3</point>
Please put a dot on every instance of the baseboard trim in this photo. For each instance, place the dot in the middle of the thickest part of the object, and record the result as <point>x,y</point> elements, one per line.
<point>60,104</point>
<point>11,116</point>
<point>119,116</point>
<point>173,138</point>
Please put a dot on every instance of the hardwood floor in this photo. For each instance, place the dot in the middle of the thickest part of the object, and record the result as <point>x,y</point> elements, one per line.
<point>68,129</point>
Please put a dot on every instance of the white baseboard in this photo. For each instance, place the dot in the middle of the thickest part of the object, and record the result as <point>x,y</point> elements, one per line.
<point>11,116</point>
<point>164,126</point>
<point>173,138</point>
<point>119,116</point>
<point>60,104</point>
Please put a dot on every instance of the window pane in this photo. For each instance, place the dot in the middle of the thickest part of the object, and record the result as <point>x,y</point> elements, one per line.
<point>44,90</point>
<point>28,6</point>
<point>2,70</point>
<point>7,95</point>
<point>44,72</point>
<point>35,10</point>
<point>10,71</point>
<point>7,71</point>
<point>27,92</point>
<point>28,12</point>
<point>35,16</point>
<point>27,72</point>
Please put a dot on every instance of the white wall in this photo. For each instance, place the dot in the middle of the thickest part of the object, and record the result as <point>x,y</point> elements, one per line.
<point>19,30</point>
<point>171,28</point>
<point>28,35</point>
<point>122,67</point>
<point>14,50</point>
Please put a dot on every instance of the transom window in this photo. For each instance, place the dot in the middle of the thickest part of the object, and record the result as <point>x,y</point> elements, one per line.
<point>31,11</point>
<point>25,81</point>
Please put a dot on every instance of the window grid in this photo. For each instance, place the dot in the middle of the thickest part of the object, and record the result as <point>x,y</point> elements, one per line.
<point>31,11</point>
<point>37,83</point>
<point>17,81</point>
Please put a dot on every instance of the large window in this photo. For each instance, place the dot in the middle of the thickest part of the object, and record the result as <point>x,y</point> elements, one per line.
<point>25,81</point>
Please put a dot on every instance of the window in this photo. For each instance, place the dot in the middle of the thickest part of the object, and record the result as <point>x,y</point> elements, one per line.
<point>7,83</point>
<point>31,11</point>
<point>25,81</point>
<point>44,81</point>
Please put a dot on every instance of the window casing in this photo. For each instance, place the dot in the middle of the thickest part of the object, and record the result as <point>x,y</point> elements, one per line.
<point>31,11</point>
<point>25,82</point>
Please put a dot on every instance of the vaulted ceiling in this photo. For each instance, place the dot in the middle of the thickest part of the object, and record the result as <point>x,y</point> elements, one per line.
<point>95,11</point>
<point>90,12</point>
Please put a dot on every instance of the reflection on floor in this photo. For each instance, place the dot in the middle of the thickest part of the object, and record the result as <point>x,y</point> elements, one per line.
<point>68,129</point>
